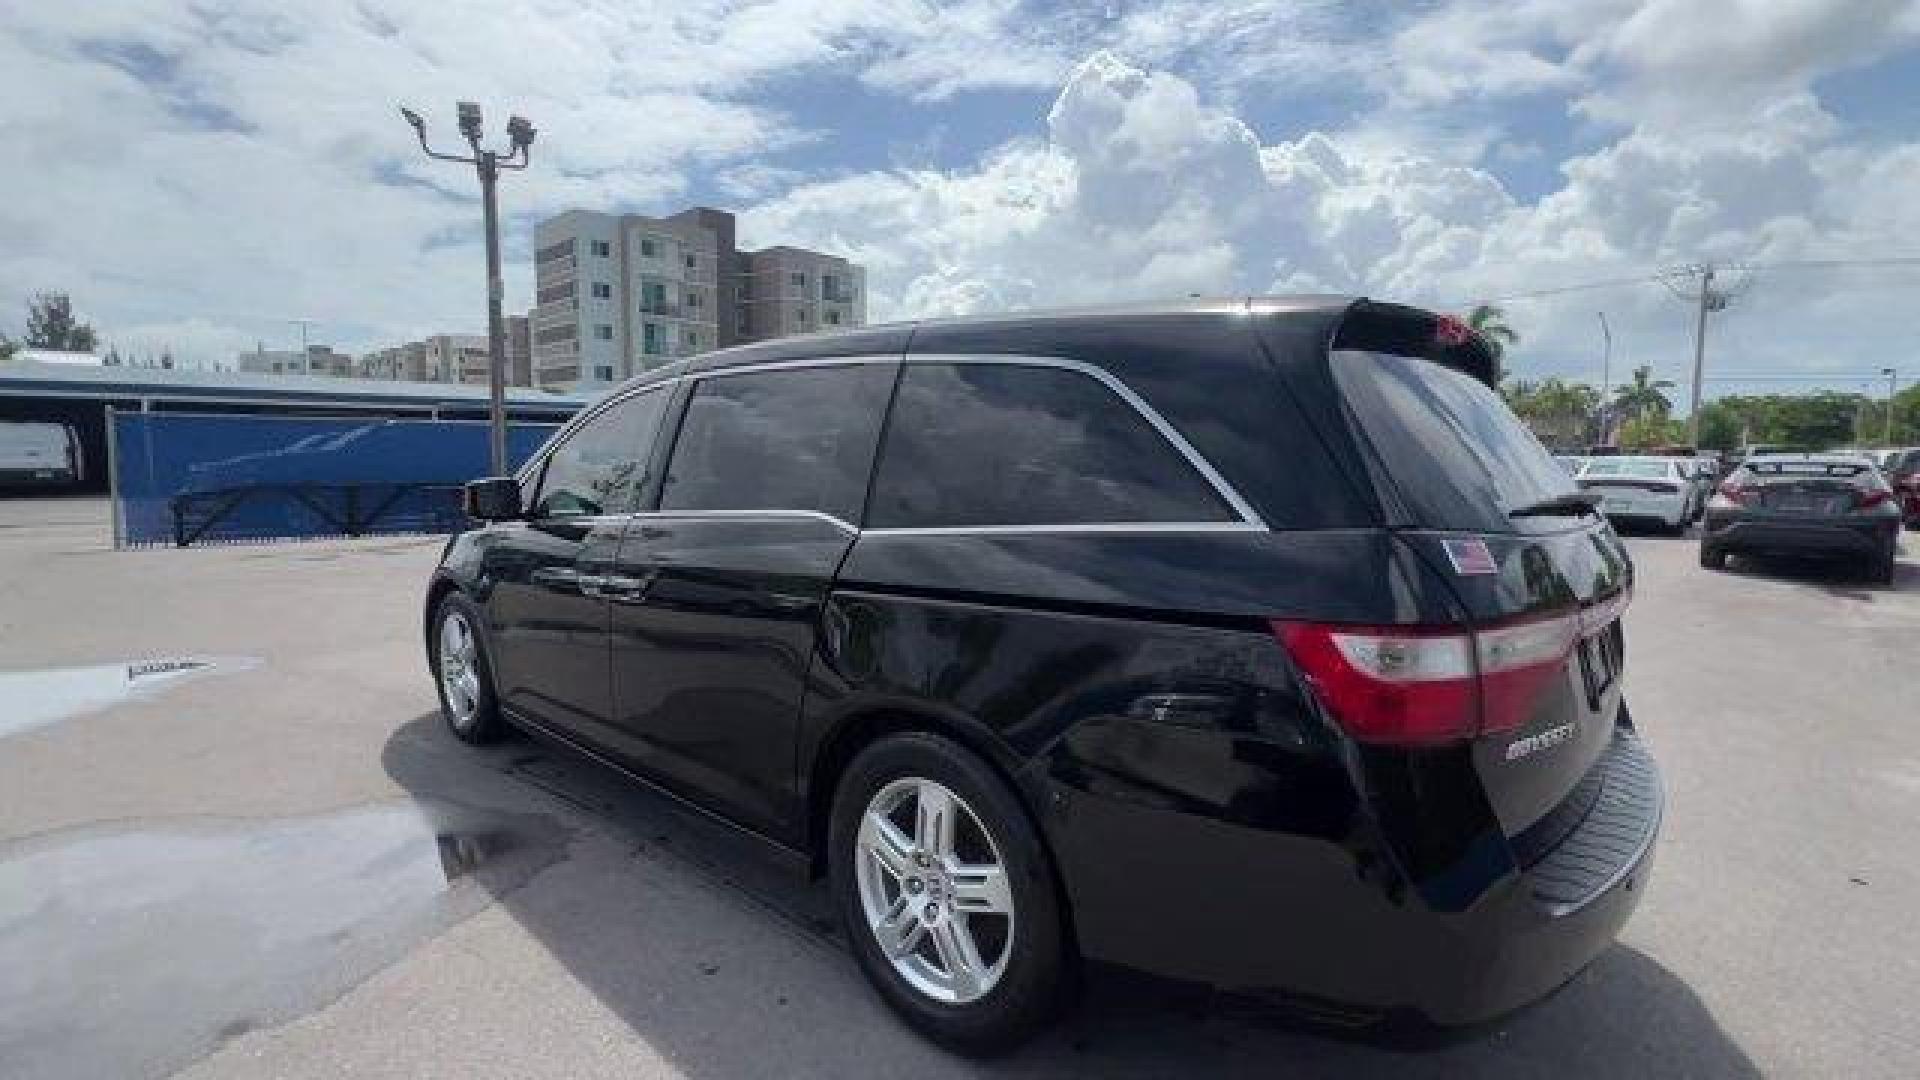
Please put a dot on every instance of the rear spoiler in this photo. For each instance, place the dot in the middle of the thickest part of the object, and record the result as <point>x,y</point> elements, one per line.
<point>1371,326</point>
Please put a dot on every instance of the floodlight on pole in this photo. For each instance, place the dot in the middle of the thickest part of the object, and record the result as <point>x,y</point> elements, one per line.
<point>487,164</point>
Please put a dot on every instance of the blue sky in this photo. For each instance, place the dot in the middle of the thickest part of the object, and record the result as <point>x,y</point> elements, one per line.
<point>203,174</point>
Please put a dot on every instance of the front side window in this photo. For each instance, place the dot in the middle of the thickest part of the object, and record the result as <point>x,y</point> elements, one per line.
<point>598,469</point>
<point>983,445</point>
<point>800,439</point>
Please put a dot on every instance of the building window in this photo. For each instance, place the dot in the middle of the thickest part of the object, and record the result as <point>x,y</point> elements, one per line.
<point>833,318</point>
<point>799,282</point>
<point>692,262</point>
<point>693,298</point>
<point>602,291</point>
<point>603,372</point>
<point>652,341</point>
<point>693,339</point>
<point>649,247</point>
<point>603,331</point>
<point>799,314</point>
<point>746,322</point>
<point>603,249</point>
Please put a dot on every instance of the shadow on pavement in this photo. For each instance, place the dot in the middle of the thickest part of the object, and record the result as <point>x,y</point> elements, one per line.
<point>729,966</point>
<point>1835,576</point>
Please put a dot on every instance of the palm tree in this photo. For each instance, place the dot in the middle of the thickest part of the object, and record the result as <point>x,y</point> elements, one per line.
<point>1643,395</point>
<point>1490,322</point>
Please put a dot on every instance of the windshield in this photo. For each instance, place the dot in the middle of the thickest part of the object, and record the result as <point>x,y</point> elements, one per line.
<point>1459,457</point>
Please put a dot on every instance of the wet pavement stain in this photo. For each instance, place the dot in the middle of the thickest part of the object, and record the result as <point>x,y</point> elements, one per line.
<point>132,952</point>
<point>33,699</point>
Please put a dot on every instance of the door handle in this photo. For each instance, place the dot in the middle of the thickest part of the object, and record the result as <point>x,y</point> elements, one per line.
<point>619,588</point>
<point>557,577</point>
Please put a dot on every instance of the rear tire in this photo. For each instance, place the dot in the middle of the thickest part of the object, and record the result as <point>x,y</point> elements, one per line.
<point>1882,570</point>
<point>1712,558</point>
<point>1014,965</point>
<point>463,672</point>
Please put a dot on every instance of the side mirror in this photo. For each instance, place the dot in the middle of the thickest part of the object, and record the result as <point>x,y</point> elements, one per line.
<point>494,498</point>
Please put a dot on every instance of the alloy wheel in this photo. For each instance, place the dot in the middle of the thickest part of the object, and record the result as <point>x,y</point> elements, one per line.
<point>934,890</point>
<point>459,669</point>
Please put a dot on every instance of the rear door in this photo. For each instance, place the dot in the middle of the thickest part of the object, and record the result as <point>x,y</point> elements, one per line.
<point>720,590</point>
<point>1454,464</point>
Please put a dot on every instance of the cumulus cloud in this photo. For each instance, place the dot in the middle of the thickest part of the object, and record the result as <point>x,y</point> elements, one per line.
<point>211,171</point>
<point>1142,189</point>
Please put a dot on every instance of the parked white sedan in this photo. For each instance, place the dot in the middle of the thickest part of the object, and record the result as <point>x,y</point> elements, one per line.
<point>1642,489</point>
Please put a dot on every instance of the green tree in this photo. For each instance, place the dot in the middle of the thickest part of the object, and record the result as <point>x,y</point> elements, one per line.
<point>1490,322</point>
<point>1643,394</point>
<point>1651,430</point>
<point>7,348</point>
<point>51,325</point>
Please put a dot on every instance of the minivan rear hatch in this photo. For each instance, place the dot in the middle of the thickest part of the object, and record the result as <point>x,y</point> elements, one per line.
<point>1541,577</point>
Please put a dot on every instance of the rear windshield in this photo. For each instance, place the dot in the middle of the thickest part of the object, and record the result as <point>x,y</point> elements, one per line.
<point>1458,456</point>
<point>1651,470</point>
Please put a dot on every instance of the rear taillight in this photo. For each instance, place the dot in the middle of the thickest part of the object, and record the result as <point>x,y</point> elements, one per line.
<point>1739,496</point>
<point>1874,497</point>
<point>1418,686</point>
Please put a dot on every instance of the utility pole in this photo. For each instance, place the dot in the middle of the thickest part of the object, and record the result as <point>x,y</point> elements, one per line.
<point>306,358</point>
<point>1606,376</point>
<point>1886,434</point>
<point>1708,299</point>
<point>488,164</point>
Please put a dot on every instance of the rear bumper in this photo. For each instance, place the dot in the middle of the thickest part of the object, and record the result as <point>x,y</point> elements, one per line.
<point>1334,924</point>
<point>1858,538</point>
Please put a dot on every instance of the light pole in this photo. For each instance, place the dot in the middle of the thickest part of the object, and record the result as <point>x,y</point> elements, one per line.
<point>488,164</point>
<point>1606,374</point>
<point>1886,434</point>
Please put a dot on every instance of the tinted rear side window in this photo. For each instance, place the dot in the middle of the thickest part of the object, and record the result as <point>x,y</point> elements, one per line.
<point>1458,456</point>
<point>798,439</point>
<point>991,444</point>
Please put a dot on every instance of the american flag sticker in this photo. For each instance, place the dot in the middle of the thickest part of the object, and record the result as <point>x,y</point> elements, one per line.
<point>1470,557</point>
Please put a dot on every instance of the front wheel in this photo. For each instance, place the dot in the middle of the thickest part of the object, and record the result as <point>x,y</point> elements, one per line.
<point>464,672</point>
<point>947,894</point>
<point>1712,558</point>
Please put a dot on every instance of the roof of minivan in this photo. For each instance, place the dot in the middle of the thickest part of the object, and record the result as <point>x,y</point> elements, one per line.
<point>1015,325</point>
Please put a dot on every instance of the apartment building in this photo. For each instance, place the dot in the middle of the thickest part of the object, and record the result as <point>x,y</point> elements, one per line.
<point>319,361</point>
<point>452,358</point>
<point>617,294</point>
<point>400,363</point>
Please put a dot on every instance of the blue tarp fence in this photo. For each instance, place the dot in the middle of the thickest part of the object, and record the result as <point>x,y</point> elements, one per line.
<point>188,478</point>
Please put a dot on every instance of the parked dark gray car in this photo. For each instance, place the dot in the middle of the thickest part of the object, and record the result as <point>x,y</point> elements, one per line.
<point>1824,505</point>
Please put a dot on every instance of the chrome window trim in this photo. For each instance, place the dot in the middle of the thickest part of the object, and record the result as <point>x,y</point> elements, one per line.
<point>1248,516</point>
<point>1068,528</point>
<point>794,365</point>
<point>1249,519</point>
<point>749,515</point>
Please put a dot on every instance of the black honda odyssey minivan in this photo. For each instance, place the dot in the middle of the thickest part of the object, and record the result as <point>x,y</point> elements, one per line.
<point>1251,643</point>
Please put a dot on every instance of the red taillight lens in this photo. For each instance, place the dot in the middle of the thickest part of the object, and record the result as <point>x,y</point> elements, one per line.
<point>1736,494</point>
<point>1419,686</point>
<point>1874,497</point>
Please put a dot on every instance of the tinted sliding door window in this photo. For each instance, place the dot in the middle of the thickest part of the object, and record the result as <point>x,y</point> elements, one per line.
<point>794,439</point>
<point>599,468</point>
<point>980,445</point>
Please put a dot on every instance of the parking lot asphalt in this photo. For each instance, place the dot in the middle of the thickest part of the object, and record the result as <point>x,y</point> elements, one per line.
<point>278,863</point>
